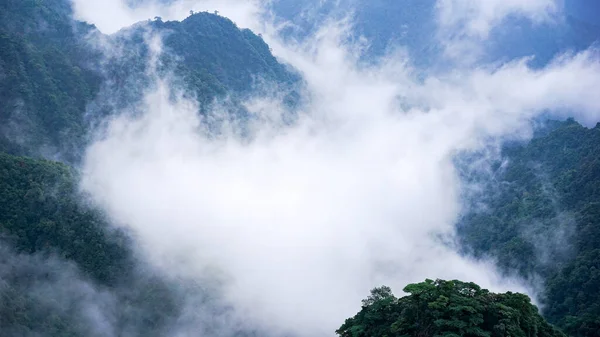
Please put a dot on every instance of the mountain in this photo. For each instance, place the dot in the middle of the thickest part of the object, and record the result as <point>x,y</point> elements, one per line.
<point>208,54</point>
<point>46,77</point>
<point>385,23</point>
<point>65,270</point>
<point>446,308</point>
<point>541,219</point>
<point>52,67</point>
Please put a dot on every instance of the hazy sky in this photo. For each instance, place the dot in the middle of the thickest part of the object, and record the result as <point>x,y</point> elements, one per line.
<point>298,222</point>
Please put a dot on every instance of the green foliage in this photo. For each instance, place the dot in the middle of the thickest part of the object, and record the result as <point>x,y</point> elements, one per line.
<point>45,80</point>
<point>449,309</point>
<point>61,251</point>
<point>40,212</point>
<point>212,48</point>
<point>544,219</point>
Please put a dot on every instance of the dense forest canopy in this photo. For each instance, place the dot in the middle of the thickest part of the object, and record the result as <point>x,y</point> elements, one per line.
<point>446,308</point>
<point>543,220</point>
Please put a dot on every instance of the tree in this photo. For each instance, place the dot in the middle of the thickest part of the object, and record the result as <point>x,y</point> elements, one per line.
<point>449,309</point>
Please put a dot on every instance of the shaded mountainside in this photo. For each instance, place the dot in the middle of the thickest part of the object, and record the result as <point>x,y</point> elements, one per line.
<point>40,212</point>
<point>46,78</point>
<point>207,54</point>
<point>544,219</point>
<point>449,309</point>
<point>52,67</point>
<point>55,250</point>
<point>210,45</point>
<point>64,271</point>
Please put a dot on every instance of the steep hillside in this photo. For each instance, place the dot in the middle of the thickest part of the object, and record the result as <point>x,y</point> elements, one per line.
<point>543,219</point>
<point>39,212</point>
<point>59,258</point>
<point>46,77</point>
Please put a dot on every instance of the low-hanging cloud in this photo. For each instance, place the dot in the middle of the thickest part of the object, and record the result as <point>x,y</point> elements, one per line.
<point>296,223</point>
<point>44,294</point>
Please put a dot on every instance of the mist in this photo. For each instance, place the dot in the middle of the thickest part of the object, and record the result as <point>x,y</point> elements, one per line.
<point>35,285</point>
<point>294,224</point>
<point>112,15</point>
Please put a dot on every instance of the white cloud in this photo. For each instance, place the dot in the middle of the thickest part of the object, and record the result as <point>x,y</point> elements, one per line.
<point>298,223</point>
<point>463,24</point>
<point>477,18</point>
<point>34,285</point>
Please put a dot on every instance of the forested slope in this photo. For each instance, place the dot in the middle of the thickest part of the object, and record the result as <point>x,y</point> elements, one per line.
<point>543,219</point>
<point>52,67</point>
<point>59,258</point>
<point>40,212</point>
<point>46,77</point>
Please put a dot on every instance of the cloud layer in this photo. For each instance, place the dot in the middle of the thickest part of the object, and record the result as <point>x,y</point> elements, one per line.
<point>296,223</point>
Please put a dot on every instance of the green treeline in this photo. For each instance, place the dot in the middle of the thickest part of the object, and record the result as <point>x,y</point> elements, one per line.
<point>448,309</point>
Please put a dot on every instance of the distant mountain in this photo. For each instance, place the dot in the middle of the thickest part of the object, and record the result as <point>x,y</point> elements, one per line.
<point>385,23</point>
<point>542,41</point>
<point>52,67</point>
